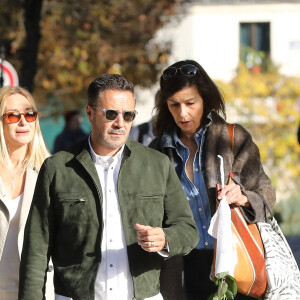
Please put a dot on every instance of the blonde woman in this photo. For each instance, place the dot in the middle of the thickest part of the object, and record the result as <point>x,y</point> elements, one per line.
<point>22,152</point>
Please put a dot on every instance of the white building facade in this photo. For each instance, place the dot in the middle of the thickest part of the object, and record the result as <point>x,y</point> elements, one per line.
<point>214,32</point>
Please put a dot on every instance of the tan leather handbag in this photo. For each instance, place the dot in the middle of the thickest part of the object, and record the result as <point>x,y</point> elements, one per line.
<point>249,271</point>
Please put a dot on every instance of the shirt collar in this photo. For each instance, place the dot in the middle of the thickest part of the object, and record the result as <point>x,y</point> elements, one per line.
<point>104,160</point>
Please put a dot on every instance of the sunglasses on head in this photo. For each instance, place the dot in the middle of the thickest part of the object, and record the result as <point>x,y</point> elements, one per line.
<point>14,116</point>
<point>187,70</point>
<point>112,114</point>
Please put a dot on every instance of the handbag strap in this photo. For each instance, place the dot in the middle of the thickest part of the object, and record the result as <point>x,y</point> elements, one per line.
<point>230,128</point>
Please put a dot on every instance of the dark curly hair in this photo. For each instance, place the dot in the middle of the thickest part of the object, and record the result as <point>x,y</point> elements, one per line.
<point>210,93</point>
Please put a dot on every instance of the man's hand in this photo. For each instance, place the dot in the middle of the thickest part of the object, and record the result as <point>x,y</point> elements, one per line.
<point>151,239</point>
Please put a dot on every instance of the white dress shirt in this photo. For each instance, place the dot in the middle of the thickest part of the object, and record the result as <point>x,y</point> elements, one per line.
<point>113,280</point>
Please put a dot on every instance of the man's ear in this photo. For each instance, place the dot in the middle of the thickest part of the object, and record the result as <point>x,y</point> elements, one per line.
<point>89,112</point>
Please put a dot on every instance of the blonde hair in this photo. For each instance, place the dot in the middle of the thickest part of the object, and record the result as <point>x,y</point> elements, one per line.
<point>36,150</point>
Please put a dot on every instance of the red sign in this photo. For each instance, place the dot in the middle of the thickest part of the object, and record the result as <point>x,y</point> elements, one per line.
<point>10,76</point>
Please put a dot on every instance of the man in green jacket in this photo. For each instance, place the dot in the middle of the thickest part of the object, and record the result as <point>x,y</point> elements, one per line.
<point>105,210</point>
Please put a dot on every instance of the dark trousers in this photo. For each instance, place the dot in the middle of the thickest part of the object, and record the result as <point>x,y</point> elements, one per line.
<point>171,279</point>
<point>197,266</point>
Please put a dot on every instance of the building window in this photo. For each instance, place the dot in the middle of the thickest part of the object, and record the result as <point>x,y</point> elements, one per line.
<point>254,44</point>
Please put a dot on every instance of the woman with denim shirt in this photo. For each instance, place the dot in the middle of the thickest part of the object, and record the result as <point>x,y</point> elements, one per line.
<point>192,133</point>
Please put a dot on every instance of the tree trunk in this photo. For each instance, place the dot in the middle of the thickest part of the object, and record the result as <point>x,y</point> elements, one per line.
<point>29,56</point>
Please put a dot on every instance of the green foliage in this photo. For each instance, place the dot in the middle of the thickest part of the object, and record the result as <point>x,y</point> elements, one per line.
<point>82,39</point>
<point>255,61</point>
<point>251,58</point>
<point>227,288</point>
<point>12,32</point>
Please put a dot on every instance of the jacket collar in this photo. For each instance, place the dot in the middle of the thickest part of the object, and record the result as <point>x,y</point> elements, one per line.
<point>84,157</point>
<point>31,176</point>
<point>30,180</point>
<point>98,158</point>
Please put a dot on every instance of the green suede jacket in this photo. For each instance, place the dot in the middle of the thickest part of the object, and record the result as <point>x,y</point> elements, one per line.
<point>65,221</point>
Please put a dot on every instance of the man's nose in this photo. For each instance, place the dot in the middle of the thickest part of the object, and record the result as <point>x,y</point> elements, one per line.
<point>119,121</point>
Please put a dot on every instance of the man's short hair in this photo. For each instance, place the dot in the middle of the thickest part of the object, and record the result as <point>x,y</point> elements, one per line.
<point>107,82</point>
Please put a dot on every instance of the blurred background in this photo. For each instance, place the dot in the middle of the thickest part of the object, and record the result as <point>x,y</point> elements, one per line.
<point>250,48</point>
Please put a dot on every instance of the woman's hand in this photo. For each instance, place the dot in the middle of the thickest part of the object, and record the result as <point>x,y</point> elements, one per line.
<point>233,195</point>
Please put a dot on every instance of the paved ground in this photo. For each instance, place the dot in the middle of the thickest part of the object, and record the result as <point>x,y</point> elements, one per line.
<point>294,242</point>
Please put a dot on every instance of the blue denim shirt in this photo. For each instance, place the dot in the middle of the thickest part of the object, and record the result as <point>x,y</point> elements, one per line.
<point>195,192</point>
